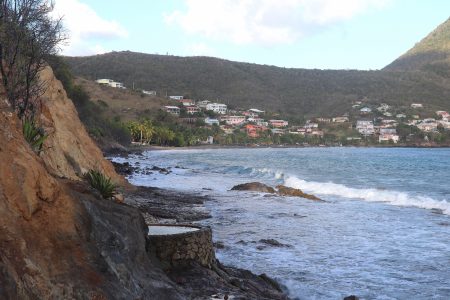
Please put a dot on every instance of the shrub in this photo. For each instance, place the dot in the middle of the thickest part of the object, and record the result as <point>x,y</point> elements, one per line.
<point>34,135</point>
<point>101,183</point>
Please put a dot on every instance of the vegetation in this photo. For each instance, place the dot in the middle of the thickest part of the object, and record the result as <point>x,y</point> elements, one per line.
<point>34,135</point>
<point>101,183</point>
<point>28,36</point>
<point>296,93</point>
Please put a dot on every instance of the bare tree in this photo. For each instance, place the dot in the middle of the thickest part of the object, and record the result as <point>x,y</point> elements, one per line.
<point>28,36</point>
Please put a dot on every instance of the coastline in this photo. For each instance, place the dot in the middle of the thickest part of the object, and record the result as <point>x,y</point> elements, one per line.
<point>163,206</point>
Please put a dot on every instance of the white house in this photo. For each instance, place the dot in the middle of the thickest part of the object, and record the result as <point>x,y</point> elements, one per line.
<point>233,120</point>
<point>365,110</point>
<point>388,137</point>
<point>278,123</point>
<point>174,110</point>
<point>211,121</point>
<point>400,116</point>
<point>416,105</point>
<point>217,108</point>
<point>150,93</point>
<point>383,107</point>
<point>202,104</point>
<point>256,111</point>
<point>111,83</point>
<point>365,127</point>
<point>176,97</point>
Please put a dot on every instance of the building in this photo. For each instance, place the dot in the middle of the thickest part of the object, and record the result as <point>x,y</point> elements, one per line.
<point>340,119</point>
<point>256,111</point>
<point>427,126</point>
<point>365,127</point>
<point>323,120</point>
<point>211,121</point>
<point>227,129</point>
<point>388,137</point>
<point>218,108</point>
<point>174,110</point>
<point>383,107</point>
<point>150,93</point>
<point>278,131</point>
<point>233,120</point>
<point>202,104</point>
<point>111,83</point>
<point>365,110</point>
<point>186,102</point>
<point>278,123</point>
<point>416,105</point>
<point>400,116</point>
<point>254,130</point>
<point>192,109</point>
<point>258,121</point>
<point>311,125</point>
<point>176,97</point>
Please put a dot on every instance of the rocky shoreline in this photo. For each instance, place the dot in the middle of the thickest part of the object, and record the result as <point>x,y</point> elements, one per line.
<point>161,206</point>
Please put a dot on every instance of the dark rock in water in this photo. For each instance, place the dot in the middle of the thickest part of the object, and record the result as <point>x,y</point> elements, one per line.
<point>288,191</point>
<point>273,242</point>
<point>161,170</point>
<point>219,245</point>
<point>255,187</point>
<point>352,297</point>
<point>124,168</point>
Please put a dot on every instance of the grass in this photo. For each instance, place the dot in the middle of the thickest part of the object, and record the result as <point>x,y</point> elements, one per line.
<point>101,183</point>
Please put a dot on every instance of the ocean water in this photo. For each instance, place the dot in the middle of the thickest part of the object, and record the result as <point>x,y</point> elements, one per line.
<point>383,232</point>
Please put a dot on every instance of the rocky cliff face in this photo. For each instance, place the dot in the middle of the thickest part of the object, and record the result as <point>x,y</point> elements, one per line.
<point>69,151</point>
<point>58,240</point>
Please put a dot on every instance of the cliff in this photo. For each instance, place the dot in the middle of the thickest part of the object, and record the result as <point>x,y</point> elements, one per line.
<point>58,239</point>
<point>69,151</point>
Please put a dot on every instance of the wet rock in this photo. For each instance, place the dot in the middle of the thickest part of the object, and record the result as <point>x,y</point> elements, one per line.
<point>351,297</point>
<point>255,187</point>
<point>161,170</point>
<point>219,245</point>
<point>124,168</point>
<point>288,191</point>
<point>273,242</point>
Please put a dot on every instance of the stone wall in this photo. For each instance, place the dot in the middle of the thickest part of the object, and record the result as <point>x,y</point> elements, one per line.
<point>178,249</point>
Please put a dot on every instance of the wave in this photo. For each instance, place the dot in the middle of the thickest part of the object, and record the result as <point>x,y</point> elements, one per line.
<point>371,194</point>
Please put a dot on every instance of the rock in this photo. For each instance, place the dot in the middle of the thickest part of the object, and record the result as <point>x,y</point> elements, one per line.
<point>219,245</point>
<point>124,169</point>
<point>288,191</point>
<point>351,297</point>
<point>273,242</point>
<point>255,187</point>
<point>119,198</point>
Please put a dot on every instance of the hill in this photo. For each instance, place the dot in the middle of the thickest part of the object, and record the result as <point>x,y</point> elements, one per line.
<point>421,75</point>
<point>431,54</point>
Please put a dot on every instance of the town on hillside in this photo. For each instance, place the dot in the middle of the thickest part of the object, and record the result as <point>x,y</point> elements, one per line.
<point>365,123</point>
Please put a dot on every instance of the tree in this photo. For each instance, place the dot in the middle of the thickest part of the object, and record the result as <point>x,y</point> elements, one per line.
<point>28,37</point>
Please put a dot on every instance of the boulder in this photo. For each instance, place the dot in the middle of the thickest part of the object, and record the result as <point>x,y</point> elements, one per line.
<point>254,187</point>
<point>288,191</point>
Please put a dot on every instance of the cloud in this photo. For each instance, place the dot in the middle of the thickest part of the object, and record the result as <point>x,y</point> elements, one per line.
<point>265,22</point>
<point>85,27</point>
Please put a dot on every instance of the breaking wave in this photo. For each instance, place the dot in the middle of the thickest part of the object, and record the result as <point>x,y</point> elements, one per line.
<point>371,194</point>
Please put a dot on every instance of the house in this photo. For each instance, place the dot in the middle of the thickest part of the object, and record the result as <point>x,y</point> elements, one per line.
<point>211,121</point>
<point>311,125</point>
<point>340,119</point>
<point>111,83</point>
<point>416,105</point>
<point>174,110</point>
<point>365,127</point>
<point>227,129</point>
<point>202,104</point>
<point>278,123</point>
<point>323,120</point>
<point>150,93</point>
<point>256,111</point>
<point>189,120</point>
<point>254,130</point>
<point>186,102</point>
<point>233,120</point>
<point>400,116</point>
<point>387,114</point>
<point>318,133</point>
<point>365,110</point>
<point>388,137</point>
<point>445,116</point>
<point>176,97</point>
<point>356,106</point>
<point>217,108</point>
<point>444,124</point>
<point>427,126</point>
<point>278,131</point>
<point>192,109</point>
<point>258,121</point>
<point>383,107</point>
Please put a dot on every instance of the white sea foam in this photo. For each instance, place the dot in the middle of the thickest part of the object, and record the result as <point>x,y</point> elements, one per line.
<point>370,194</point>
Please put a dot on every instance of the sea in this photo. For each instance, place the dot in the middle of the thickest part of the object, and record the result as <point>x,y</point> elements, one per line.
<point>383,231</point>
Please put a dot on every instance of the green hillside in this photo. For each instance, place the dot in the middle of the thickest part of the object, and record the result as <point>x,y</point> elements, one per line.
<point>421,75</point>
<point>430,54</point>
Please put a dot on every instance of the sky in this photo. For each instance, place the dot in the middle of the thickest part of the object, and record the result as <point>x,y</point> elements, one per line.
<point>313,34</point>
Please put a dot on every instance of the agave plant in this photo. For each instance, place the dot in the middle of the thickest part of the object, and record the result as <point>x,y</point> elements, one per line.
<point>34,135</point>
<point>101,183</point>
